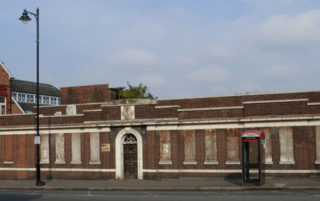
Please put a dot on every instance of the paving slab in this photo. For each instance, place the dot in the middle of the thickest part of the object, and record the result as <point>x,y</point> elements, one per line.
<point>183,184</point>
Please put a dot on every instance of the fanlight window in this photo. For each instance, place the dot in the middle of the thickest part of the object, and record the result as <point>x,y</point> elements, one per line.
<point>129,139</point>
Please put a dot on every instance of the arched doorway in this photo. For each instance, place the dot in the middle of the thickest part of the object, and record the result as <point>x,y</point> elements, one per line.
<point>128,153</point>
<point>130,156</point>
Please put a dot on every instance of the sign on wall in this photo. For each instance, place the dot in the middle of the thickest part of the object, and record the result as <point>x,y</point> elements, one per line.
<point>105,147</point>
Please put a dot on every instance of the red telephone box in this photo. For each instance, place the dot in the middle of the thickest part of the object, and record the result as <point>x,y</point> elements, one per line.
<point>252,142</point>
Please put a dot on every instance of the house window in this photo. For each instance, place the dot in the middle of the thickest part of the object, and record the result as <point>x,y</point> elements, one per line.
<point>21,97</point>
<point>40,99</point>
<point>2,105</point>
<point>45,100</point>
<point>14,95</point>
<point>53,101</point>
<point>30,98</point>
<point>59,101</point>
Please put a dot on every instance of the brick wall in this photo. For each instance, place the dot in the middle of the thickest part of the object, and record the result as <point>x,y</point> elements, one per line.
<point>86,94</point>
<point>23,153</point>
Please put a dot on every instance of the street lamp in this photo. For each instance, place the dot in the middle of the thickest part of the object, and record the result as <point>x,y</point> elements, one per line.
<point>25,18</point>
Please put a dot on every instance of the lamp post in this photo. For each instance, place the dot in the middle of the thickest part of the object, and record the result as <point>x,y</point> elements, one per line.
<point>25,18</point>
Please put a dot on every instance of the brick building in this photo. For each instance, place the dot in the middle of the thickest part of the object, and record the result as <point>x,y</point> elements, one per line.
<point>146,139</point>
<point>19,96</point>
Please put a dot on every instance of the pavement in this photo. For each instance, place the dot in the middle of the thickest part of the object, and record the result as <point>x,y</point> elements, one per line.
<point>181,184</point>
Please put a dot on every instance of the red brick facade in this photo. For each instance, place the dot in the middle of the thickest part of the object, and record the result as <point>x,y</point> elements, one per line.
<point>87,94</point>
<point>228,116</point>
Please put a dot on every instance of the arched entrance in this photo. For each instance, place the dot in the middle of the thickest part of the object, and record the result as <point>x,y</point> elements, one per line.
<point>130,156</point>
<point>128,153</point>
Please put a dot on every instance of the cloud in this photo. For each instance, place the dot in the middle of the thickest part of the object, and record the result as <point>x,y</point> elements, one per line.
<point>302,30</point>
<point>282,71</point>
<point>134,57</point>
<point>151,80</point>
<point>209,74</point>
<point>248,87</point>
<point>219,51</point>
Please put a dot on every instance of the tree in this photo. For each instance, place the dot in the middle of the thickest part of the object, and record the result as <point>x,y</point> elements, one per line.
<point>136,92</point>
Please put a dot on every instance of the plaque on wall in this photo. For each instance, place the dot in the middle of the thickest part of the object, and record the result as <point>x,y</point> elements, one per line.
<point>105,147</point>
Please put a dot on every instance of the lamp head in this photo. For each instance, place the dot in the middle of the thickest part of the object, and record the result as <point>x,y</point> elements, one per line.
<point>25,17</point>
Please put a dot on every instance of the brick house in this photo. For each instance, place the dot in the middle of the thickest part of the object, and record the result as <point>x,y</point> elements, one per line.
<point>19,96</point>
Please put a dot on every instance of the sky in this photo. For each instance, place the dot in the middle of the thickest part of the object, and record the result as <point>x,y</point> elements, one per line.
<point>178,48</point>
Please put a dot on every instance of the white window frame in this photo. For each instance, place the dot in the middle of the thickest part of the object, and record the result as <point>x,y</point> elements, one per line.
<point>30,97</point>
<point>4,104</point>
<point>23,97</point>
<point>51,100</point>
<point>14,95</point>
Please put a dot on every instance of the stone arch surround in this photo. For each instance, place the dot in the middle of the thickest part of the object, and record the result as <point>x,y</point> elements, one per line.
<point>119,152</point>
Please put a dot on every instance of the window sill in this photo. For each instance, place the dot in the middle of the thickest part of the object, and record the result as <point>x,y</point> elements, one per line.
<point>165,163</point>
<point>211,162</point>
<point>286,162</point>
<point>190,163</point>
<point>76,163</point>
<point>94,163</point>
<point>232,162</point>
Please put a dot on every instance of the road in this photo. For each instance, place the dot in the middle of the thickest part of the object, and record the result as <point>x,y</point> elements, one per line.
<point>160,195</point>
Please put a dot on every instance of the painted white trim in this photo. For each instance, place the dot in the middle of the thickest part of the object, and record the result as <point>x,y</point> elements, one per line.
<point>119,152</point>
<point>94,163</point>
<point>210,108</point>
<point>314,103</point>
<point>24,114</point>
<point>8,162</point>
<point>35,99</point>
<point>165,162</point>
<point>286,171</point>
<point>122,102</point>
<point>232,162</point>
<point>277,101</point>
<point>292,171</point>
<point>317,162</point>
<point>51,116</point>
<point>53,131</point>
<point>63,105</point>
<point>166,106</point>
<point>133,122</point>
<point>233,125</point>
<point>193,170</point>
<point>190,162</point>
<point>58,169</point>
<point>6,70</point>
<point>211,163</point>
<point>286,162</point>
<point>228,171</point>
<point>96,110</point>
